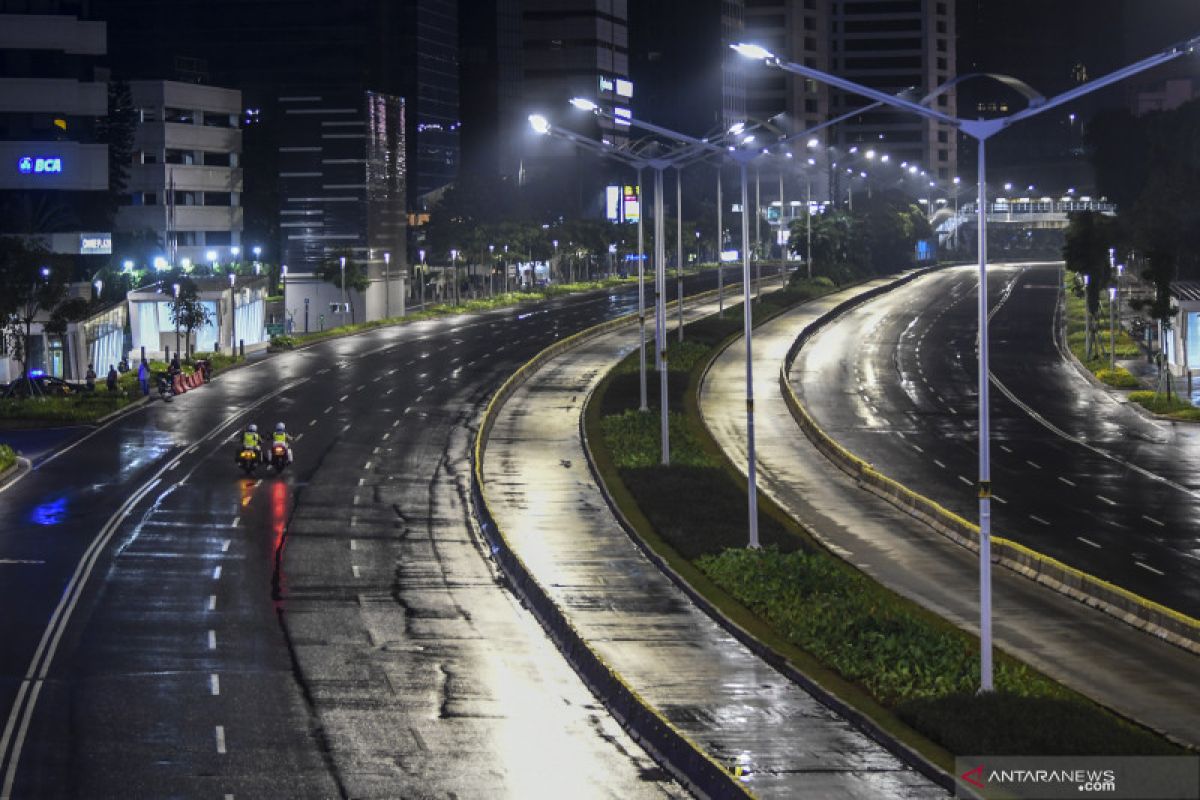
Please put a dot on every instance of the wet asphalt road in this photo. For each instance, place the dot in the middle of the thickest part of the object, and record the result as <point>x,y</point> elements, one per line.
<point>161,640</point>
<point>1076,475</point>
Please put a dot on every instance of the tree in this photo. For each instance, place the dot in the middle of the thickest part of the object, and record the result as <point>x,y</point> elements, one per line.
<point>356,276</point>
<point>32,286</point>
<point>1089,237</point>
<point>188,312</point>
<point>117,130</point>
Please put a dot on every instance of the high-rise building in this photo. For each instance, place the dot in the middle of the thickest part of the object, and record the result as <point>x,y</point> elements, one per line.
<point>493,121</point>
<point>891,45</point>
<point>342,192</point>
<point>685,75</point>
<point>185,184</point>
<point>267,49</point>
<point>49,106</point>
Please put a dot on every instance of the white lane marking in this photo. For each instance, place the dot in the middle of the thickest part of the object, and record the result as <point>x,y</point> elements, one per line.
<point>377,378</point>
<point>173,466</point>
<point>953,410</point>
<point>217,573</point>
<point>1153,520</point>
<point>375,450</point>
<point>343,398</point>
<point>14,561</point>
<point>212,639</point>
<point>918,448</point>
<point>940,464</point>
<point>367,465</point>
<point>346,427</point>
<point>1032,464</point>
<point>395,423</point>
<point>191,450</point>
<point>389,391</point>
<point>967,481</point>
<point>361,387</point>
<point>386,436</point>
<point>214,684</point>
<point>212,602</point>
<point>323,371</point>
<point>354,517</point>
<point>354,569</point>
<point>1006,449</point>
<point>221,739</point>
<point>312,422</point>
<point>328,409</point>
<point>361,481</point>
<point>1067,481</point>
<point>299,436</point>
<point>999,499</point>
<point>1104,499</point>
<point>236,522</point>
<point>1036,518</point>
<point>1088,542</point>
<point>225,545</point>
<point>1150,568</point>
<point>353,544</point>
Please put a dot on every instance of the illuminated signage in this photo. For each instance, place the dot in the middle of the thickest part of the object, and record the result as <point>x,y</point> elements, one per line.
<point>95,244</point>
<point>612,203</point>
<point>624,87</point>
<point>35,165</point>
<point>632,203</point>
<point>623,115</point>
<point>606,84</point>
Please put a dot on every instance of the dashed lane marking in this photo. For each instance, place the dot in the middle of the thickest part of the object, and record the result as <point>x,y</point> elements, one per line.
<point>1067,481</point>
<point>1088,542</point>
<point>940,464</point>
<point>343,398</point>
<point>1036,518</point>
<point>214,684</point>
<point>354,569</point>
<point>1006,449</point>
<point>212,639</point>
<point>328,409</point>
<point>312,422</point>
<point>1149,568</point>
<point>999,499</point>
<point>221,739</point>
<point>1104,499</point>
<point>1033,464</point>
<point>217,573</point>
<point>225,545</point>
<point>1154,521</point>
<point>918,448</point>
<point>212,602</point>
<point>966,480</point>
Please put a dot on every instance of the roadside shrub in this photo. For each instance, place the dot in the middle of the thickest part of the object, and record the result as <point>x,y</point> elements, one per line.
<point>282,342</point>
<point>1176,406</point>
<point>7,457</point>
<point>1120,378</point>
<point>634,440</point>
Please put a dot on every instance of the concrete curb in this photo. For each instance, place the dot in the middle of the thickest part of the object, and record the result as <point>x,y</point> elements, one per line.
<point>15,472</point>
<point>685,759</point>
<point>1146,615</point>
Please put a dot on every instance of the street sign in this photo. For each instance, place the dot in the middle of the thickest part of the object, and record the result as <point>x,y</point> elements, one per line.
<point>274,329</point>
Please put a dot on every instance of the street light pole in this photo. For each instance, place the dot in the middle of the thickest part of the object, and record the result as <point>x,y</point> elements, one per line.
<point>782,247</point>
<point>233,316</point>
<point>176,288</point>
<point>981,130</point>
<point>757,234</point>
<point>747,332</point>
<point>720,249</point>
<point>679,245</point>
<point>660,315</point>
<point>387,285</point>
<point>808,223</point>
<point>345,303</point>
<point>644,406</point>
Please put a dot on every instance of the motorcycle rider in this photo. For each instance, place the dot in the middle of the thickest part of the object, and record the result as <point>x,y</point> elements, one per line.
<point>281,436</point>
<point>252,441</point>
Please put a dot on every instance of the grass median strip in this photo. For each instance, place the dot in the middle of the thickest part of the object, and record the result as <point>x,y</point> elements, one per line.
<point>912,672</point>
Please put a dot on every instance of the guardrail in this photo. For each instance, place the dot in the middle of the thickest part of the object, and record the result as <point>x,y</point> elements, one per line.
<point>1153,618</point>
<point>672,748</point>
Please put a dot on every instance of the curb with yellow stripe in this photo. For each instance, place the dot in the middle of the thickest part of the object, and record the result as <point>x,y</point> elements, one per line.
<point>672,748</point>
<point>1153,618</point>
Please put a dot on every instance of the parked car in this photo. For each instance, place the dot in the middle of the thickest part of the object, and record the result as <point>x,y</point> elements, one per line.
<point>40,385</point>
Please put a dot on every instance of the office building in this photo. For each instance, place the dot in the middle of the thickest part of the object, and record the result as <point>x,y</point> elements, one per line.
<point>185,184</point>
<point>49,149</point>
<point>342,187</point>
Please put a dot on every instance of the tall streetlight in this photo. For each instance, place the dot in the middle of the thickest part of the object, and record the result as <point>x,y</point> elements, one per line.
<point>233,349</point>
<point>421,274</point>
<point>387,285</point>
<point>175,288</point>
<point>345,303</point>
<point>981,130</point>
<point>454,273</point>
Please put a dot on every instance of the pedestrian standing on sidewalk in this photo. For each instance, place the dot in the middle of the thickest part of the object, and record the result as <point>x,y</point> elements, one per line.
<point>90,378</point>
<point>144,377</point>
<point>111,378</point>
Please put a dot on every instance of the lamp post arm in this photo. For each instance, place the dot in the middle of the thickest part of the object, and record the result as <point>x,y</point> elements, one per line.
<point>865,91</point>
<point>1104,80</point>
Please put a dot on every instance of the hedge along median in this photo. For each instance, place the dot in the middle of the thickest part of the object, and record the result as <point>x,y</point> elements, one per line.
<point>911,673</point>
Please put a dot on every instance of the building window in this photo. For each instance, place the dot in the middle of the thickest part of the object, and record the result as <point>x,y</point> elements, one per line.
<point>148,199</point>
<point>187,239</point>
<point>180,157</point>
<point>181,116</point>
<point>810,107</point>
<point>941,63</point>
<point>149,158</point>
<point>810,44</point>
<point>149,114</point>
<point>218,199</point>
<point>810,23</point>
<point>941,45</point>
<point>941,26</point>
<point>213,119</point>
<point>941,8</point>
<point>943,155</point>
<point>218,238</point>
<point>943,137</point>
<point>217,160</point>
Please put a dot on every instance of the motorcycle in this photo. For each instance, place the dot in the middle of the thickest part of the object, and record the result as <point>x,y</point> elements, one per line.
<point>247,459</point>
<point>280,457</point>
<point>165,390</point>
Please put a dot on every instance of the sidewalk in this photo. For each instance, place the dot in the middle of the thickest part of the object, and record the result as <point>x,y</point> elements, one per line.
<point>1111,662</point>
<point>544,498</point>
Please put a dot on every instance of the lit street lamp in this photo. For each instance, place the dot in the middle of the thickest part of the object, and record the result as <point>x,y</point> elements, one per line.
<point>421,274</point>
<point>387,285</point>
<point>981,130</point>
<point>232,317</point>
<point>176,315</point>
<point>345,303</point>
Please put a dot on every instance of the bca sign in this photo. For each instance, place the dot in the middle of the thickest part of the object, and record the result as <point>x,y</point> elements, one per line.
<point>37,165</point>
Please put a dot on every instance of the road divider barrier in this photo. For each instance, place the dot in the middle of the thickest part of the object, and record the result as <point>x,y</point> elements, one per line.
<point>1151,617</point>
<point>671,747</point>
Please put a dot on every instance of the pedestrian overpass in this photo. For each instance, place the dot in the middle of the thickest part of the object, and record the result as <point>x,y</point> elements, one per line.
<point>1044,213</point>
